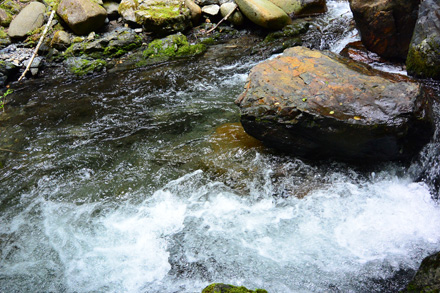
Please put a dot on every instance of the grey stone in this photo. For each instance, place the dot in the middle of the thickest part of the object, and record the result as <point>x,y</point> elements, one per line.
<point>29,19</point>
<point>212,9</point>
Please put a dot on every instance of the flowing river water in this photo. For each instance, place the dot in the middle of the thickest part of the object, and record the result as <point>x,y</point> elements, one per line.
<point>143,181</point>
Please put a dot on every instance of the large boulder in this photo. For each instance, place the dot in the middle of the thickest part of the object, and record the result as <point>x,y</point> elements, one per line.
<point>163,17</point>
<point>320,105</point>
<point>427,278</point>
<point>424,52</point>
<point>386,26</point>
<point>264,13</point>
<point>301,7</point>
<point>29,19</point>
<point>82,16</point>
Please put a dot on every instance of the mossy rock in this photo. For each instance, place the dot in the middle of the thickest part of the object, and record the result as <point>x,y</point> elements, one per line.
<point>163,19</point>
<point>225,288</point>
<point>173,46</point>
<point>427,277</point>
<point>424,59</point>
<point>82,66</point>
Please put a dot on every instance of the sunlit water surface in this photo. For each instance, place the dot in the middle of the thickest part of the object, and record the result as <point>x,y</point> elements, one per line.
<point>143,181</point>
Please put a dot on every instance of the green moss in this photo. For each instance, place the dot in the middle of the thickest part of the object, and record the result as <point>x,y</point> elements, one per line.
<point>160,11</point>
<point>418,61</point>
<point>3,34</point>
<point>224,288</point>
<point>83,66</point>
<point>173,46</point>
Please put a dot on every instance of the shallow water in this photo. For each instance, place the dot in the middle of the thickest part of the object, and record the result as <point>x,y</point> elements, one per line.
<point>142,181</point>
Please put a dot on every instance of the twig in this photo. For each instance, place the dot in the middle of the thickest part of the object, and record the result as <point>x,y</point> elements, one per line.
<point>38,45</point>
<point>12,151</point>
<point>223,19</point>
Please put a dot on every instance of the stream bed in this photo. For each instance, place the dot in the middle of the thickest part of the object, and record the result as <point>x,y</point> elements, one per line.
<point>144,181</point>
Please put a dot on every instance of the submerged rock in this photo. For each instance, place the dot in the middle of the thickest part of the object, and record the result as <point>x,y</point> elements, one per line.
<point>29,19</point>
<point>427,278</point>
<point>82,16</point>
<point>224,288</point>
<point>386,26</point>
<point>319,105</point>
<point>264,13</point>
<point>424,53</point>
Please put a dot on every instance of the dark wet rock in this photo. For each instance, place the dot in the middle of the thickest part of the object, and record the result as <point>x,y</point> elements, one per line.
<point>29,19</point>
<point>301,7</point>
<point>82,16</point>
<point>7,69</point>
<point>163,18</point>
<point>264,13</point>
<point>424,53</point>
<point>82,65</point>
<point>320,105</point>
<point>386,26</point>
<point>114,44</point>
<point>427,278</point>
<point>225,288</point>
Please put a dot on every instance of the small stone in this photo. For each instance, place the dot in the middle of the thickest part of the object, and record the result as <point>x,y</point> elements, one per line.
<point>91,36</point>
<point>212,9</point>
<point>138,30</point>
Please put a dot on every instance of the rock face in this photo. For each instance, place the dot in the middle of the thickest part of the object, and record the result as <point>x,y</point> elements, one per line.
<point>82,16</point>
<point>427,278</point>
<point>163,18</point>
<point>424,53</point>
<point>319,105</point>
<point>30,18</point>
<point>386,26</point>
<point>301,7</point>
<point>264,13</point>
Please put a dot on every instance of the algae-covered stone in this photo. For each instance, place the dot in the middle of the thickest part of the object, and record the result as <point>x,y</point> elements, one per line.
<point>127,8</point>
<point>29,19</point>
<point>172,46</point>
<point>424,53</point>
<point>163,18</point>
<point>319,105</point>
<point>225,288</point>
<point>301,7</point>
<point>82,16</point>
<point>60,40</point>
<point>264,13</point>
<point>81,66</point>
<point>427,278</point>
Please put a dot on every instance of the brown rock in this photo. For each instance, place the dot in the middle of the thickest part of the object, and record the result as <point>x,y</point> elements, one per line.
<point>386,26</point>
<point>320,105</point>
<point>82,16</point>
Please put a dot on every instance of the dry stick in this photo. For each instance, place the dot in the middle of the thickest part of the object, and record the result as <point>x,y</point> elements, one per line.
<point>223,19</point>
<point>38,45</point>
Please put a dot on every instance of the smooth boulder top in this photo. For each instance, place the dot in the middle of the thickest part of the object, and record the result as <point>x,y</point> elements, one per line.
<point>30,18</point>
<point>264,13</point>
<point>82,16</point>
<point>319,104</point>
